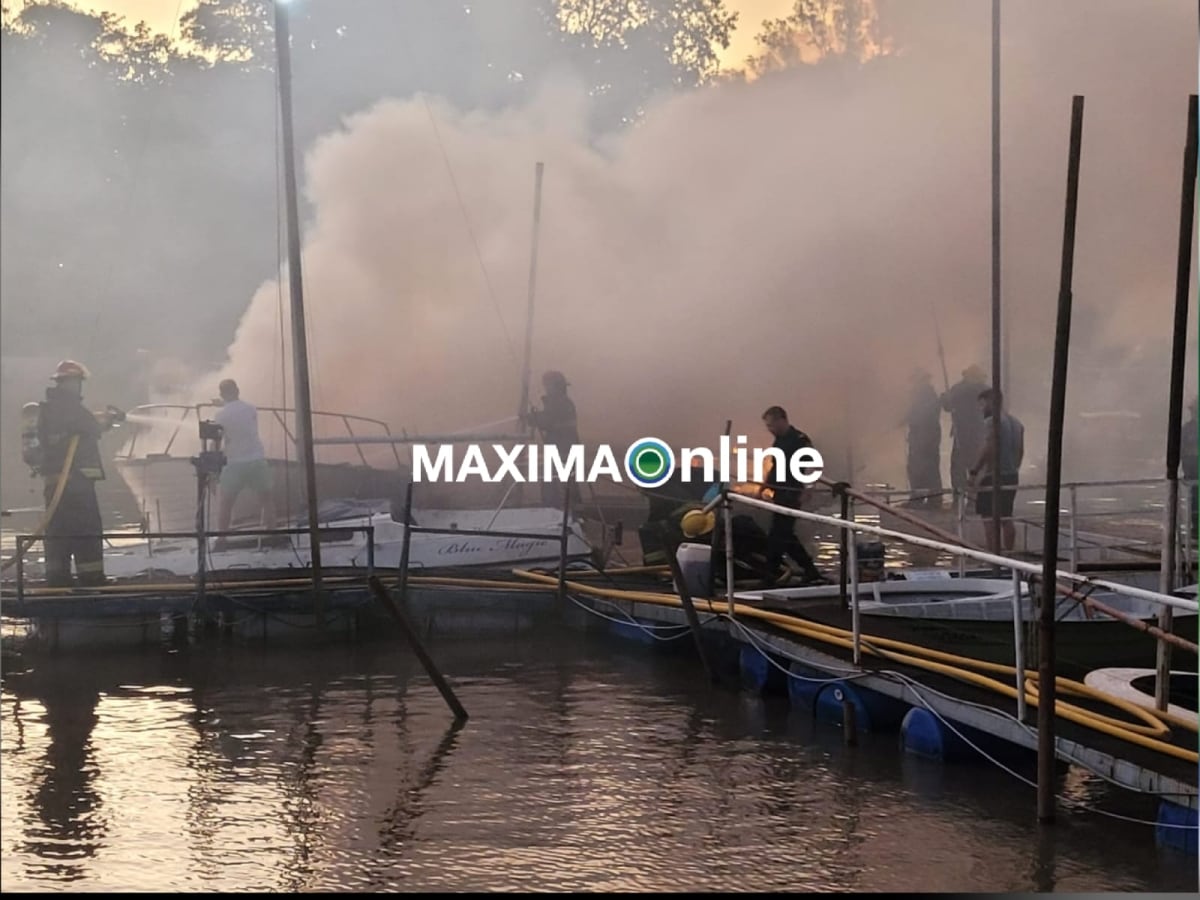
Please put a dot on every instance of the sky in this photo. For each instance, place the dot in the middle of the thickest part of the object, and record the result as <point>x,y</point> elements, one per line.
<point>162,15</point>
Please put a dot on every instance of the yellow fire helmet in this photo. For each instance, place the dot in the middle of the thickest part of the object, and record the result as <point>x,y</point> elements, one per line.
<point>696,522</point>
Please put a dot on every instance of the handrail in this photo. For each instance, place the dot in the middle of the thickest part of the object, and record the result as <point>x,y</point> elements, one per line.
<point>968,552</point>
<point>23,540</point>
<point>279,413</point>
<point>925,492</point>
<point>419,439</point>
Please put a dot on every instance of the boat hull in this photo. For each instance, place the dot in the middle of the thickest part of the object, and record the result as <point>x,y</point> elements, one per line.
<point>165,488</point>
<point>347,546</point>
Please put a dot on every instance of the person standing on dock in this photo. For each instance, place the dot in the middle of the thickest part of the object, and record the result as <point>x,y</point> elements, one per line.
<point>966,424</point>
<point>557,422</point>
<point>246,461</point>
<point>1012,451</point>
<point>74,527</point>
<point>924,421</point>
<point>782,538</point>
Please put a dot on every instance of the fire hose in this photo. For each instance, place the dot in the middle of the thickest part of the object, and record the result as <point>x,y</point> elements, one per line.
<point>52,505</point>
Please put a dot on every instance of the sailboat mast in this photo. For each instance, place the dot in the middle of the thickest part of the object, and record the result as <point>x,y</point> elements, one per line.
<point>537,220</point>
<point>997,374</point>
<point>304,426</point>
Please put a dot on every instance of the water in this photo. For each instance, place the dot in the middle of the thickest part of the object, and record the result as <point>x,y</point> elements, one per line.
<point>586,765</point>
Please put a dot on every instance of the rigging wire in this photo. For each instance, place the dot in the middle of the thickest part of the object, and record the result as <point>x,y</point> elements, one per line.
<point>487,279</point>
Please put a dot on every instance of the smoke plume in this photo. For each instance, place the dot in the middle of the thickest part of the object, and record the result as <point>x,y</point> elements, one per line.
<point>790,240</point>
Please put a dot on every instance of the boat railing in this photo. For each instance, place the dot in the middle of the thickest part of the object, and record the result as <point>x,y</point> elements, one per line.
<point>178,415</point>
<point>1075,513</point>
<point>325,533</point>
<point>1016,567</point>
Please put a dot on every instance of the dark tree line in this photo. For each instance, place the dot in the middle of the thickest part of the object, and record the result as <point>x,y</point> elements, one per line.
<point>138,172</point>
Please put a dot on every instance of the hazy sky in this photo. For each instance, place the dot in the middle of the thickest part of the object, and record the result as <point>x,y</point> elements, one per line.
<point>162,15</point>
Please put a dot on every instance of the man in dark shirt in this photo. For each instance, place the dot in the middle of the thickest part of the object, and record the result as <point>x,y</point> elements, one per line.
<point>782,537</point>
<point>557,423</point>
<point>966,423</point>
<point>75,526</point>
<point>1012,452</point>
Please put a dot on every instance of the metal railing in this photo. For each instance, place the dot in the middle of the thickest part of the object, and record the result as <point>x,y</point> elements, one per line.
<point>24,541</point>
<point>1015,566</point>
<point>1185,537</point>
<point>279,413</point>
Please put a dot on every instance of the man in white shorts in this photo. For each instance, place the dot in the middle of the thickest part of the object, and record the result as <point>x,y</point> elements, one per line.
<point>246,461</point>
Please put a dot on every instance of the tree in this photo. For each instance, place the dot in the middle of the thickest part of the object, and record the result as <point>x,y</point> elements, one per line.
<point>238,32</point>
<point>816,30</point>
<point>684,33</point>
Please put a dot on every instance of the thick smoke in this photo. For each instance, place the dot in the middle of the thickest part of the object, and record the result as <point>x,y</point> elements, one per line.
<point>784,241</point>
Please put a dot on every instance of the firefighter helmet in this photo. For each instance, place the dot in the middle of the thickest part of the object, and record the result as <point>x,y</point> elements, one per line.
<point>68,368</point>
<point>696,522</point>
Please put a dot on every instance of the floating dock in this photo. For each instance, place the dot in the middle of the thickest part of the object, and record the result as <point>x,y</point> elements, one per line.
<point>805,655</point>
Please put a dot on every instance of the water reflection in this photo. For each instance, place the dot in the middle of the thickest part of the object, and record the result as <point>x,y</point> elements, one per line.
<point>583,767</point>
<point>70,822</point>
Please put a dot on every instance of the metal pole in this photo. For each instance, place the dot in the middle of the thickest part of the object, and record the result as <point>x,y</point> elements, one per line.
<point>304,426</point>
<point>854,596</point>
<point>843,551</point>
<point>22,543</point>
<point>410,632</point>
<point>727,513</point>
<point>1073,500</point>
<point>533,255</point>
<point>1183,269</point>
<point>1058,398</point>
<point>562,550</point>
<point>1018,644</point>
<point>1188,535</point>
<point>960,501</point>
<point>201,539</point>
<point>997,374</point>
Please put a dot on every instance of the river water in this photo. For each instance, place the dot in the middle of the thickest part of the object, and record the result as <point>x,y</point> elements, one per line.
<point>586,765</point>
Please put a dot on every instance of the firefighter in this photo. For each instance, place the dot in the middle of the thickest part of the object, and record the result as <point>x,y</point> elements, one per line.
<point>557,422</point>
<point>74,528</point>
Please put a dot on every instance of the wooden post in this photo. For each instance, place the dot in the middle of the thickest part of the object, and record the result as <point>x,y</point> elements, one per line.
<point>849,722</point>
<point>1183,269</point>
<point>689,610</point>
<point>406,544</point>
<point>1058,397</point>
<point>410,633</point>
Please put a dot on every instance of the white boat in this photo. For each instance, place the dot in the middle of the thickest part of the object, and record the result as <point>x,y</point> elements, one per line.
<point>1137,687</point>
<point>974,616</point>
<point>346,545</point>
<point>156,461</point>
<point>919,594</point>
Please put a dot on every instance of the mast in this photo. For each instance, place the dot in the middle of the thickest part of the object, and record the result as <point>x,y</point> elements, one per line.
<point>996,325</point>
<point>304,427</point>
<point>1183,284</point>
<point>537,219</point>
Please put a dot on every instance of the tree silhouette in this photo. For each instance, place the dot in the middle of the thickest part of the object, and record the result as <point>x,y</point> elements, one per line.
<point>816,30</point>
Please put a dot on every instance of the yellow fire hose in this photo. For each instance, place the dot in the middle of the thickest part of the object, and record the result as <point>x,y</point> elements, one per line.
<point>944,663</point>
<point>58,492</point>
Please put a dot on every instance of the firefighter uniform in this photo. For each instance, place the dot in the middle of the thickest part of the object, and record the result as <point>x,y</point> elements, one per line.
<point>75,528</point>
